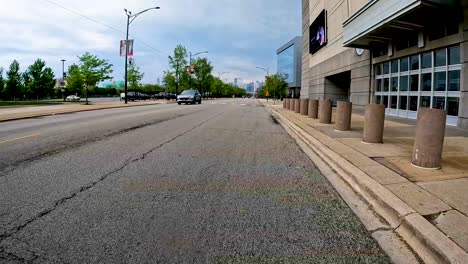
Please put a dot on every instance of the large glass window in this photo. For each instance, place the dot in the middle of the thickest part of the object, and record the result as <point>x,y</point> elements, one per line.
<point>415,62</point>
<point>440,57</point>
<point>386,84</point>
<point>404,64</point>
<point>426,60</point>
<point>454,80</point>
<point>393,102</point>
<point>438,102</point>
<point>403,102</point>
<point>385,101</point>
<point>378,69</point>
<point>414,83</point>
<point>394,84</point>
<point>413,103</point>
<point>379,99</point>
<point>378,86</point>
<point>453,105</point>
<point>429,79</point>
<point>440,82</point>
<point>404,83</point>
<point>454,55</point>
<point>426,81</point>
<point>386,68</point>
<point>394,66</point>
<point>425,101</point>
<point>286,64</point>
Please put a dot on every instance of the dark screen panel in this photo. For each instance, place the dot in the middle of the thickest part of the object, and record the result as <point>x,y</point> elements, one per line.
<point>318,32</point>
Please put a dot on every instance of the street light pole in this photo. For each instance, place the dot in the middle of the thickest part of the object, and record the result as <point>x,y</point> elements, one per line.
<point>63,78</point>
<point>130,19</point>
<point>190,62</point>
<point>267,70</point>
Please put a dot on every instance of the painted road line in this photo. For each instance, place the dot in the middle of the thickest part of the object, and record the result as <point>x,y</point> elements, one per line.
<point>19,138</point>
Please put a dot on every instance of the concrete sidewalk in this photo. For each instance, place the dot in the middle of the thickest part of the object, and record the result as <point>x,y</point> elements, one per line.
<point>427,208</point>
<point>15,113</point>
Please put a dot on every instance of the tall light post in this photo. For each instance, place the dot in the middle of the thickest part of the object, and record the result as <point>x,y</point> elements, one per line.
<point>130,18</point>
<point>190,62</point>
<point>63,78</point>
<point>267,71</point>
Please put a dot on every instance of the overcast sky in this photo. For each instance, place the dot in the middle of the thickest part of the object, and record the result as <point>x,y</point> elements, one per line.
<point>239,34</point>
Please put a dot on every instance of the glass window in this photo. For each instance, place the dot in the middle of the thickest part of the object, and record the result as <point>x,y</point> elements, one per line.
<point>404,64</point>
<point>426,60</point>
<point>440,81</point>
<point>403,102</point>
<point>404,83</point>
<point>413,103</point>
<point>440,57</point>
<point>414,83</point>
<point>426,81</point>
<point>378,69</point>
<point>286,64</point>
<point>386,84</point>
<point>378,87</point>
<point>454,55</point>
<point>425,101</point>
<point>379,99</point>
<point>386,68</point>
<point>393,102</point>
<point>454,80</point>
<point>394,84</point>
<point>452,106</point>
<point>415,62</point>
<point>394,66</point>
<point>385,101</point>
<point>438,102</point>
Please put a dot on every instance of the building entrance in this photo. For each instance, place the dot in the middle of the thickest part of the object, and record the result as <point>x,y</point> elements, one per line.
<point>337,86</point>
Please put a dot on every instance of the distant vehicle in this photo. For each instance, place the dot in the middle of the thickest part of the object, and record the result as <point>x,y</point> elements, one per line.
<point>73,98</point>
<point>189,97</point>
<point>132,96</point>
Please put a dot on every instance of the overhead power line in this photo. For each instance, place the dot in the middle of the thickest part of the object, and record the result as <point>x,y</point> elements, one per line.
<point>102,24</point>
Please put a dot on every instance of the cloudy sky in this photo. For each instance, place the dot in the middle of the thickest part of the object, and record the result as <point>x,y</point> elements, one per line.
<point>239,34</point>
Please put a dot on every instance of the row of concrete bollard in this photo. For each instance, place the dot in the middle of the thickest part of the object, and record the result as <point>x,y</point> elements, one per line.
<point>430,129</point>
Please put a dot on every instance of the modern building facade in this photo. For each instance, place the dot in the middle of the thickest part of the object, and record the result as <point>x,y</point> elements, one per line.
<point>405,54</point>
<point>289,64</point>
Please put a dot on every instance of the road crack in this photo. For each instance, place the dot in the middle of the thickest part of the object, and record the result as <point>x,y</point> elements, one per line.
<point>88,186</point>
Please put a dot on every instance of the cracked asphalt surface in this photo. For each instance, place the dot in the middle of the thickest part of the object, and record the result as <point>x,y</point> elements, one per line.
<point>220,182</point>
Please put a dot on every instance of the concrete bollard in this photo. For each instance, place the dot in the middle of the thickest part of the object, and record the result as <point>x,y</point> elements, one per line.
<point>284,103</point>
<point>313,108</point>
<point>304,106</point>
<point>429,138</point>
<point>325,109</point>
<point>297,105</point>
<point>288,101</point>
<point>374,121</point>
<point>291,106</point>
<point>343,116</point>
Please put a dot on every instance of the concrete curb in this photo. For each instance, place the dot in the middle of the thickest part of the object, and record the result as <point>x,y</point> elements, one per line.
<point>69,111</point>
<point>428,242</point>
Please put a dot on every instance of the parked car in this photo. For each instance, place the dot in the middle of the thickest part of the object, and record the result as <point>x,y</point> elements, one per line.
<point>73,98</point>
<point>189,97</point>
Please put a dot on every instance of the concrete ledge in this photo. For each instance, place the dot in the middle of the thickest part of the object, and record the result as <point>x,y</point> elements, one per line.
<point>429,243</point>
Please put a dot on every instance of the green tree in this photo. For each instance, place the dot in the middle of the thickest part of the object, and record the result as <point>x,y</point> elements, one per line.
<point>169,81</point>
<point>93,70</point>
<point>178,62</point>
<point>276,85</point>
<point>13,83</point>
<point>39,80</point>
<point>75,82</point>
<point>203,77</point>
<point>134,77</point>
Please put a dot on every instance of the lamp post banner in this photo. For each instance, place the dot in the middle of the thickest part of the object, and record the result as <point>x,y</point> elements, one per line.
<point>123,48</point>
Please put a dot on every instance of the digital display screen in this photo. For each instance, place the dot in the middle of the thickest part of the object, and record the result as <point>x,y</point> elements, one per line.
<point>318,32</point>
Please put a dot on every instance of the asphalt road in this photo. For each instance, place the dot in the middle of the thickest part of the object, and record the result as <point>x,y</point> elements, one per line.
<point>220,182</point>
